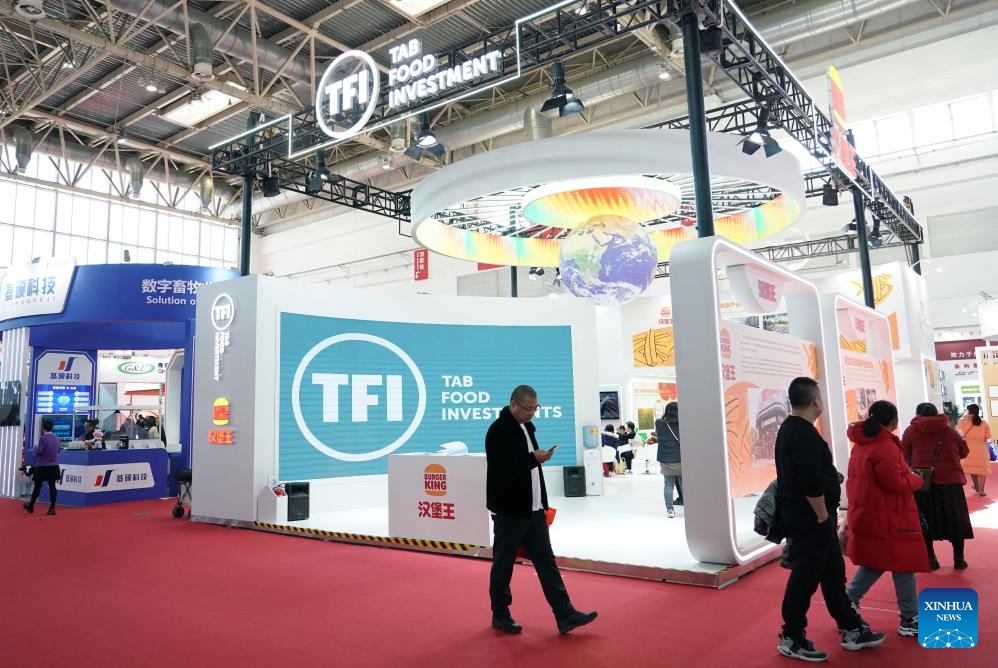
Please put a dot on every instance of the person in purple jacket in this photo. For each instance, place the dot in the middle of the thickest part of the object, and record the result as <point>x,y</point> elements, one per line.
<point>46,468</point>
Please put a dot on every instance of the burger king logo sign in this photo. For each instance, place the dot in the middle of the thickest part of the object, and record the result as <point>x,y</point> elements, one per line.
<point>435,480</point>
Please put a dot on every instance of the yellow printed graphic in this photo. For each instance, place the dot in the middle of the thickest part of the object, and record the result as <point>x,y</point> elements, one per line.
<point>857,346</point>
<point>656,347</point>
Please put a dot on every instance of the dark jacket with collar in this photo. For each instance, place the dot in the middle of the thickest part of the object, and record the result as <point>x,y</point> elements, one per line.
<point>508,489</point>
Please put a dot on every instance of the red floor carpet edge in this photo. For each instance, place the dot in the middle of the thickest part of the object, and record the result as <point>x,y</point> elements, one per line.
<point>127,585</point>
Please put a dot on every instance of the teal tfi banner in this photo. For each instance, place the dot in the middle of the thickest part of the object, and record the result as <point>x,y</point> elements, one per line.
<point>353,392</point>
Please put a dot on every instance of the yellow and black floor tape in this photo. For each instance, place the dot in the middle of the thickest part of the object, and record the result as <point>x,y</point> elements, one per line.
<point>372,540</point>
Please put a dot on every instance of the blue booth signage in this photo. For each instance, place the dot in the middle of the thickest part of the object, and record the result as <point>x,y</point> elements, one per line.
<point>34,289</point>
<point>354,391</point>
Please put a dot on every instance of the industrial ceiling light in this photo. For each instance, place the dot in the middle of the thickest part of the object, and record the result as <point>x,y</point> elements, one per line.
<point>563,98</point>
<point>318,176</point>
<point>761,138</point>
<point>829,195</point>
<point>426,137</point>
<point>426,141</point>
<point>386,161</point>
<point>270,186</point>
<point>30,9</point>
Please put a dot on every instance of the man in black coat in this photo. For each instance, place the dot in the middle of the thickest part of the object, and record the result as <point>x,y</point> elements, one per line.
<point>516,496</point>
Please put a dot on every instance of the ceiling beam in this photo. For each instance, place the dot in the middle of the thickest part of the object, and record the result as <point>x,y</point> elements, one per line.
<point>432,16</point>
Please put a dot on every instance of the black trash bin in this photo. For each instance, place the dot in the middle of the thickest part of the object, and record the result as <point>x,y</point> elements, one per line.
<point>575,480</point>
<point>297,500</point>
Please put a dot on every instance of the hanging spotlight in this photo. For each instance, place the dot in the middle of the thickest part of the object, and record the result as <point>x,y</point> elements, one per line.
<point>270,186</point>
<point>562,97</point>
<point>829,195</point>
<point>761,138</point>
<point>318,176</point>
<point>426,137</point>
<point>426,141</point>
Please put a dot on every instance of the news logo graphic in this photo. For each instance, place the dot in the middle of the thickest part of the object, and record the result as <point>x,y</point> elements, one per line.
<point>947,618</point>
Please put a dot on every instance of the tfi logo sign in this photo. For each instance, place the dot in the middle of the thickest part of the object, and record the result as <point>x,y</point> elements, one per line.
<point>347,94</point>
<point>331,395</point>
<point>223,310</point>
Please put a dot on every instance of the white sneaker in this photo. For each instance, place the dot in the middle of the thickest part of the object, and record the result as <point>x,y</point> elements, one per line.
<point>670,512</point>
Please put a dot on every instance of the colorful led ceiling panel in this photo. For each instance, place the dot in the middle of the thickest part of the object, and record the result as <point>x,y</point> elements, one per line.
<point>572,203</point>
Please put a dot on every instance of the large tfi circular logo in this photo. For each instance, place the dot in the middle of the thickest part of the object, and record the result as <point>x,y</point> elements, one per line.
<point>347,94</point>
<point>357,397</point>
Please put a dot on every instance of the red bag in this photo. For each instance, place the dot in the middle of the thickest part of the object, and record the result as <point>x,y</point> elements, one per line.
<point>549,514</point>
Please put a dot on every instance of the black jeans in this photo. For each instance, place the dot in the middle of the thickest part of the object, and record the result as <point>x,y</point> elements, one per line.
<point>532,534</point>
<point>816,559</point>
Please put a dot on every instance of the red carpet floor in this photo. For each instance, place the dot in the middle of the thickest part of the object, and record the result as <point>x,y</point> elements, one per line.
<point>127,585</point>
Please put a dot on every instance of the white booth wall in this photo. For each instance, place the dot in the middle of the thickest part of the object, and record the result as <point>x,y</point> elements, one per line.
<point>247,370</point>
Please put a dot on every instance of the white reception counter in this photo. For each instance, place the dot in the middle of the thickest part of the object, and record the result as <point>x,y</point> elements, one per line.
<point>438,497</point>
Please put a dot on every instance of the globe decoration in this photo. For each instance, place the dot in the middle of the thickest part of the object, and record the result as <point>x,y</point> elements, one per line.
<point>608,259</point>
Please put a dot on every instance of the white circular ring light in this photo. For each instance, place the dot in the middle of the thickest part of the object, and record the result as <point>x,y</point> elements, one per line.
<point>372,103</point>
<point>594,156</point>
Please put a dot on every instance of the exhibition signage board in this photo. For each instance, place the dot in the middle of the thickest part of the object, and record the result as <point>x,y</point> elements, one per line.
<point>124,368</point>
<point>756,369</point>
<point>420,264</point>
<point>125,293</point>
<point>733,379</point>
<point>956,362</point>
<point>438,497</point>
<point>90,477</point>
<point>353,392</point>
<point>63,382</point>
<point>899,294</point>
<point>35,289</point>
<point>987,359</point>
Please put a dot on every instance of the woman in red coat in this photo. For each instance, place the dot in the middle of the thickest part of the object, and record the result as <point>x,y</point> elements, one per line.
<point>930,443</point>
<point>883,530</point>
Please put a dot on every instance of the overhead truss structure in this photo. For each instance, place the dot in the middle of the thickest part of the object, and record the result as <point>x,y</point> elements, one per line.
<point>548,37</point>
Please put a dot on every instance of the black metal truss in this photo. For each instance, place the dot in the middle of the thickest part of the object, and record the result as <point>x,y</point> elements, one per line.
<point>804,250</point>
<point>761,74</point>
<point>745,58</point>
<point>341,190</point>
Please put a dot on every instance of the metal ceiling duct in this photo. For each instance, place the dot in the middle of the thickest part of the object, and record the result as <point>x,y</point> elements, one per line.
<point>807,19</point>
<point>22,148</point>
<point>136,172</point>
<point>51,145</point>
<point>535,125</point>
<point>206,190</point>
<point>202,54</point>
<point>238,42</point>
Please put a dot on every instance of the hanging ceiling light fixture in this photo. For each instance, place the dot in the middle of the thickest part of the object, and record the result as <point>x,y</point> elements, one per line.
<point>761,138</point>
<point>318,176</point>
<point>426,141</point>
<point>563,99</point>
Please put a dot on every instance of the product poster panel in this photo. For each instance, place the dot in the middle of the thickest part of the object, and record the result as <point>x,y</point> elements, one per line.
<point>354,391</point>
<point>649,398</point>
<point>654,348</point>
<point>757,367</point>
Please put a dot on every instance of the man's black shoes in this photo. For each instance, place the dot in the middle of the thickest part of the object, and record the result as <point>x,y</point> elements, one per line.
<point>506,625</point>
<point>574,620</point>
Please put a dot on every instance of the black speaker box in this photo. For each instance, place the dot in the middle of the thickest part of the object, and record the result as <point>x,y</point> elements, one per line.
<point>297,500</point>
<point>575,480</point>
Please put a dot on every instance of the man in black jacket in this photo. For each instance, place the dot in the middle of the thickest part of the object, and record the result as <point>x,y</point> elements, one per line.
<point>809,489</point>
<point>516,496</point>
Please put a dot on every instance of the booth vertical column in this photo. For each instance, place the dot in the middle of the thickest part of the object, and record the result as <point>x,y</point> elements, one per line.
<point>246,225</point>
<point>698,125</point>
<point>13,358</point>
<point>187,394</point>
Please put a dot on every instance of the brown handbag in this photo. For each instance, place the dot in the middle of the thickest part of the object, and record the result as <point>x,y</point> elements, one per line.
<point>926,473</point>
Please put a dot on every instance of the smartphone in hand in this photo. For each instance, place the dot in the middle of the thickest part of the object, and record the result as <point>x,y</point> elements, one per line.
<point>553,448</point>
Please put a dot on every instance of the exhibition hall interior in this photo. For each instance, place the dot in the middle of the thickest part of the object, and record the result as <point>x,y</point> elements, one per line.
<point>278,265</point>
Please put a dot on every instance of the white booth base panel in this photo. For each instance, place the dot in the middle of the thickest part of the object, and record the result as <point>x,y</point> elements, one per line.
<point>623,532</point>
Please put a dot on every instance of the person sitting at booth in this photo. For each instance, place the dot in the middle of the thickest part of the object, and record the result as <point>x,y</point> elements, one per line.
<point>88,434</point>
<point>151,429</point>
<point>610,440</point>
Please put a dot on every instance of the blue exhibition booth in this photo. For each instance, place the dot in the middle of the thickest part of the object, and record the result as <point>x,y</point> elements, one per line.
<point>67,318</point>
